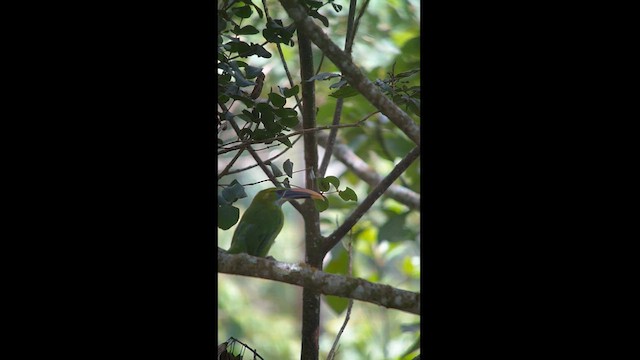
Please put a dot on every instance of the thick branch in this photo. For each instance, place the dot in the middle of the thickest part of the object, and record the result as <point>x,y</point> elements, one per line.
<point>334,238</point>
<point>313,255</point>
<point>354,163</point>
<point>319,281</point>
<point>350,71</point>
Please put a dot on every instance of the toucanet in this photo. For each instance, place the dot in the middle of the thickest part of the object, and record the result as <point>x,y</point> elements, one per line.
<point>262,221</point>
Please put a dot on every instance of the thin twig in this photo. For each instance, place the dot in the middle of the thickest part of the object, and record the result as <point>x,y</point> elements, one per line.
<point>268,160</point>
<point>255,352</point>
<point>339,103</point>
<point>360,13</point>
<point>225,171</point>
<point>294,133</point>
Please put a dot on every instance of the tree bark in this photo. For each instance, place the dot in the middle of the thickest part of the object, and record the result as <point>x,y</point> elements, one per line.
<point>313,251</point>
<point>322,282</point>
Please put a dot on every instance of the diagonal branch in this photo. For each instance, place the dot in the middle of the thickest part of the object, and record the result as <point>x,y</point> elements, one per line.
<point>319,281</point>
<point>335,237</point>
<point>243,144</point>
<point>339,103</point>
<point>351,72</point>
<point>359,167</point>
<point>256,157</point>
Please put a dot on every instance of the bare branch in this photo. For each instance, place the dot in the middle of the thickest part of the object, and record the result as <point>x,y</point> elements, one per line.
<point>225,171</point>
<point>370,176</point>
<point>351,72</point>
<point>319,281</point>
<point>266,161</point>
<point>294,133</point>
<point>334,238</point>
<point>339,103</point>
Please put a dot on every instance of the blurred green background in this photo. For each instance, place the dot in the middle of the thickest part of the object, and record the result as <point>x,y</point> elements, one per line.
<point>266,315</point>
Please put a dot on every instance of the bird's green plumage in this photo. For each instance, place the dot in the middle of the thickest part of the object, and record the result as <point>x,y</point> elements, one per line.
<point>262,221</point>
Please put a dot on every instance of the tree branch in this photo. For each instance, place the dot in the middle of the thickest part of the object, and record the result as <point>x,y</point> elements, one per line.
<point>313,254</point>
<point>293,133</point>
<point>266,161</point>
<point>350,71</point>
<point>335,237</point>
<point>348,43</point>
<point>259,161</point>
<point>365,172</point>
<point>321,282</point>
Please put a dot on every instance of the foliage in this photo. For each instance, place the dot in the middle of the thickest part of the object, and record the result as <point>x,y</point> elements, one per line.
<point>255,95</point>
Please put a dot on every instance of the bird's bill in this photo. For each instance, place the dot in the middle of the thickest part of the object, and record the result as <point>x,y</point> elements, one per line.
<point>299,193</point>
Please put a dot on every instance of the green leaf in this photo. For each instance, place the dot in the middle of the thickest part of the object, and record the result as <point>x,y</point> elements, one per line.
<point>285,112</point>
<point>321,205</point>
<point>260,134</point>
<point>252,71</point>
<point>286,141</point>
<point>248,102</point>
<point>260,51</point>
<point>348,194</point>
<point>286,184</point>
<point>288,168</point>
<point>339,84</point>
<point>234,192</point>
<point>323,185</point>
<point>275,32</point>
<point>247,30</point>
<point>314,4</point>
<point>248,117</point>
<point>333,180</point>
<point>237,46</point>
<point>289,121</point>
<point>406,73</point>
<point>248,2</point>
<point>291,92</point>
<point>241,81</point>
<point>275,170</point>
<point>266,113</point>
<point>242,12</point>
<point>345,92</point>
<point>277,100</point>
<point>227,216</point>
<point>222,24</point>
<point>336,7</point>
<point>323,76</point>
<point>245,134</point>
<point>273,129</point>
<point>322,18</point>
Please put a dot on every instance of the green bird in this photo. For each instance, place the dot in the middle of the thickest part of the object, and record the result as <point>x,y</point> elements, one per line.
<point>262,221</point>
